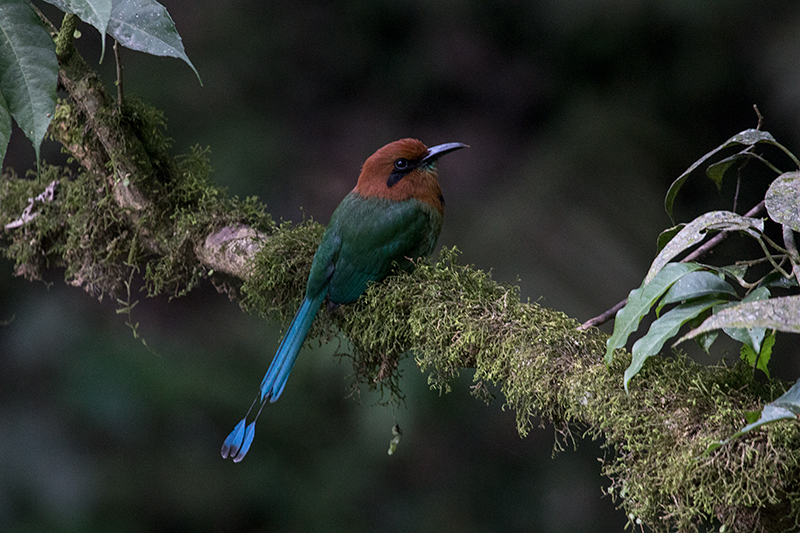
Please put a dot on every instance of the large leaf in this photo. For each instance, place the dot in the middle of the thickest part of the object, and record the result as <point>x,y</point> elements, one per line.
<point>5,128</point>
<point>786,407</point>
<point>696,285</point>
<point>28,69</point>
<point>783,200</point>
<point>640,301</point>
<point>146,26</point>
<point>695,231</point>
<point>663,329</point>
<point>782,314</point>
<point>777,280</point>
<point>745,138</point>
<point>94,12</point>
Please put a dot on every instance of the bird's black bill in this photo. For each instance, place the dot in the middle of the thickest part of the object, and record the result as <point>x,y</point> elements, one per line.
<point>435,152</point>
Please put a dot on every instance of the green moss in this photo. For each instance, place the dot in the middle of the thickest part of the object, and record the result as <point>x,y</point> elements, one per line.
<point>36,244</point>
<point>66,119</point>
<point>280,270</point>
<point>100,248</point>
<point>187,207</point>
<point>454,317</point>
<point>81,230</point>
<point>449,316</point>
<point>658,433</point>
<point>63,39</point>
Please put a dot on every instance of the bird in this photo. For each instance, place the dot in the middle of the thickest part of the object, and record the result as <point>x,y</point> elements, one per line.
<point>392,216</point>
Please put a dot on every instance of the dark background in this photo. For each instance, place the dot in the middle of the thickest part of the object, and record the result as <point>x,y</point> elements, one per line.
<point>579,115</point>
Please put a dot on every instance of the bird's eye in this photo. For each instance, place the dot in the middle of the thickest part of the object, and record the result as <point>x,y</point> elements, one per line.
<point>401,164</point>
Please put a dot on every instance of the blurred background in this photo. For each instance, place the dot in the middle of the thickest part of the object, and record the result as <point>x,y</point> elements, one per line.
<point>579,115</point>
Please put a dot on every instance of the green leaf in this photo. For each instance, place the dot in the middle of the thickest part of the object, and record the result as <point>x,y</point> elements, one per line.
<point>751,416</point>
<point>665,236</point>
<point>696,285</point>
<point>783,200</point>
<point>746,137</point>
<point>782,314</point>
<point>750,137</point>
<point>716,171</point>
<point>747,355</point>
<point>749,336</point>
<point>662,330</point>
<point>5,128</point>
<point>705,340</point>
<point>94,12</point>
<point>759,360</point>
<point>777,280</point>
<point>766,352</point>
<point>695,231</point>
<point>146,26</point>
<point>28,69</point>
<point>640,301</point>
<point>737,272</point>
<point>786,407</point>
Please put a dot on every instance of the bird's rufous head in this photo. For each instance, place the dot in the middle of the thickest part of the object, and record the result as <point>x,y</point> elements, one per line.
<point>404,169</point>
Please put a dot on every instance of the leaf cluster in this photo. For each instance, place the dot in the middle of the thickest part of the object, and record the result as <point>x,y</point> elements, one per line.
<point>724,298</point>
<point>29,56</point>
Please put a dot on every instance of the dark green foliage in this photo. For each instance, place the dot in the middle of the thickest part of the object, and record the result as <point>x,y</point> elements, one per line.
<point>705,299</point>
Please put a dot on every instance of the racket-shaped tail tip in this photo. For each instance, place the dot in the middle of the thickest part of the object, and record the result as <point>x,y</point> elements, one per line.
<point>233,442</point>
<point>249,435</point>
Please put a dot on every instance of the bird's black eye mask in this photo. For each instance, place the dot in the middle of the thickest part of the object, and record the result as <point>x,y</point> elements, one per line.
<point>402,167</point>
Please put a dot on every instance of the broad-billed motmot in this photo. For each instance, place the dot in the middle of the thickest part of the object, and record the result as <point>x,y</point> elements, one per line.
<point>393,215</point>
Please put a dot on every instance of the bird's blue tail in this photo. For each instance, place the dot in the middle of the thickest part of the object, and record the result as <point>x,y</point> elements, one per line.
<point>275,379</point>
<point>237,444</point>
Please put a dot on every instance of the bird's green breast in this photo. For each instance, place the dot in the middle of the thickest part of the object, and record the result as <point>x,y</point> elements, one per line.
<point>365,237</point>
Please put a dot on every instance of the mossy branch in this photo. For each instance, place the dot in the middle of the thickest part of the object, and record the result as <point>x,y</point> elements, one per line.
<point>132,207</point>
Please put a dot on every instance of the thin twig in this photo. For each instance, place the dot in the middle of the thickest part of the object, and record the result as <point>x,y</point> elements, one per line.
<point>118,59</point>
<point>738,184</point>
<point>791,248</point>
